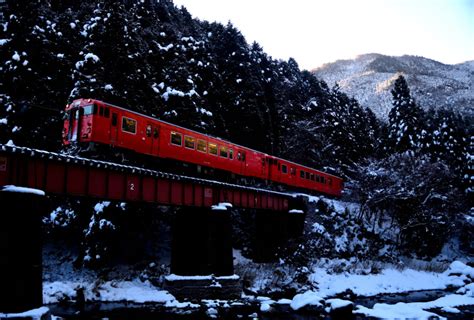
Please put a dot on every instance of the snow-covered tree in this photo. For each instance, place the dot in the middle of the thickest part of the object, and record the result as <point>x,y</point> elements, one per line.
<point>405,119</point>
<point>420,197</point>
<point>469,172</point>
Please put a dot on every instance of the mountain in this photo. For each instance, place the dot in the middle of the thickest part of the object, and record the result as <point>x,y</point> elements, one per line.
<point>369,78</point>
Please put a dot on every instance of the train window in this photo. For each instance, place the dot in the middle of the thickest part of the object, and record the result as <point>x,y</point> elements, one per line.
<point>114,119</point>
<point>312,176</point>
<point>148,130</point>
<point>284,168</point>
<point>129,125</point>
<point>90,109</point>
<point>213,148</point>
<point>318,178</point>
<point>101,111</point>
<point>301,174</point>
<point>189,142</point>
<point>293,171</point>
<point>156,133</point>
<point>106,112</point>
<point>231,154</point>
<point>224,151</point>
<point>202,145</point>
<point>243,156</point>
<point>329,181</point>
<point>176,138</point>
<point>306,175</point>
<point>323,180</point>
<point>239,156</point>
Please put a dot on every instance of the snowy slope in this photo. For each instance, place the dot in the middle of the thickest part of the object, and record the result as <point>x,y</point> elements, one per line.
<point>369,78</point>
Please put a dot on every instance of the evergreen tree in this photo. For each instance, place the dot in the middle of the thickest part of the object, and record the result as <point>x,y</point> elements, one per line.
<point>405,119</point>
<point>469,172</point>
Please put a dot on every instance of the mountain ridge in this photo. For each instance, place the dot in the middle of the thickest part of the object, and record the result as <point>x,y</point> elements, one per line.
<point>369,78</point>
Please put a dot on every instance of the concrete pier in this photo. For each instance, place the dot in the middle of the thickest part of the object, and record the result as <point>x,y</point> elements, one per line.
<point>21,286</point>
<point>201,257</point>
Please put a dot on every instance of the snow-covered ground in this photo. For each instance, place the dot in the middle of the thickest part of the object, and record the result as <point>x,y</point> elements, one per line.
<point>458,276</point>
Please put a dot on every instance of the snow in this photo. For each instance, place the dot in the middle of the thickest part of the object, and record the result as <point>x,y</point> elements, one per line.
<point>338,303</point>
<point>219,207</point>
<point>206,112</point>
<point>3,121</point>
<point>457,267</point>
<point>99,207</point>
<point>310,197</point>
<point>284,301</point>
<point>108,87</point>
<point>308,298</point>
<point>16,56</point>
<point>133,291</point>
<point>296,211</point>
<point>265,307</point>
<point>396,311</point>
<point>11,188</point>
<point>443,86</point>
<point>415,309</point>
<point>165,48</point>
<point>4,41</point>
<point>35,314</point>
<point>175,277</point>
<point>222,206</point>
<point>179,93</point>
<point>111,291</point>
<point>318,228</point>
<point>91,56</point>
<point>387,281</point>
<point>392,281</point>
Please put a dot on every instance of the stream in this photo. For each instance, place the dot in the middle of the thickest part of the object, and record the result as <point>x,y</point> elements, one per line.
<point>245,309</point>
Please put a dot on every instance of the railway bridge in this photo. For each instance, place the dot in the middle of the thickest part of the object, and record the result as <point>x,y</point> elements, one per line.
<point>201,242</point>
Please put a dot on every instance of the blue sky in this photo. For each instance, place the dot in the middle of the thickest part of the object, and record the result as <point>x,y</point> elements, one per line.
<point>315,31</point>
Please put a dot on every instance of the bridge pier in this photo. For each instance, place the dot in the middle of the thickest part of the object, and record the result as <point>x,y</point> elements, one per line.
<point>273,229</point>
<point>296,220</point>
<point>202,243</point>
<point>201,255</point>
<point>21,286</point>
<point>270,233</point>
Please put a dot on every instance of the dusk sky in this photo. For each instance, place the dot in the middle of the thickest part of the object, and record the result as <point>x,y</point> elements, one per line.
<point>315,32</point>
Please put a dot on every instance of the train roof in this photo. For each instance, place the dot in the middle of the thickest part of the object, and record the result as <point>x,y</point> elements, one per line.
<point>205,134</point>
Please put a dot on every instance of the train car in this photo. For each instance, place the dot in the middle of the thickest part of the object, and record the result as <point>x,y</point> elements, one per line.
<point>92,121</point>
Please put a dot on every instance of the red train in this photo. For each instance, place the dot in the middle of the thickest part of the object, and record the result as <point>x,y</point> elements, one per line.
<point>94,121</point>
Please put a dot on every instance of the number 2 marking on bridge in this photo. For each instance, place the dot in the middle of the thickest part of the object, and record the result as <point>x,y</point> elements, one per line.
<point>132,186</point>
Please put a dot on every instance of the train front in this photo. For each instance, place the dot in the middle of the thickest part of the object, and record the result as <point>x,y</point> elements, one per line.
<point>78,121</point>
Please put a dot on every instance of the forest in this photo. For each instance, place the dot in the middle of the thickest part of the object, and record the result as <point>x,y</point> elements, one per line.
<point>416,170</point>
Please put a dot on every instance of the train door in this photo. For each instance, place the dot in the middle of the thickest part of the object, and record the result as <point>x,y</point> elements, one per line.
<point>114,128</point>
<point>75,124</point>
<point>269,163</point>
<point>241,156</point>
<point>153,135</point>
<point>264,167</point>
